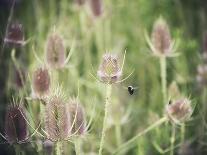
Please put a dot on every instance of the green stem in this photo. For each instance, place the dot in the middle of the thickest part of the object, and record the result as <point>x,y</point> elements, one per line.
<point>118,133</point>
<point>17,150</point>
<point>78,146</point>
<point>130,143</point>
<point>58,148</point>
<point>172,140</point>
<point>182,133</point>
<point>163,77</point>
<point>108,96</point>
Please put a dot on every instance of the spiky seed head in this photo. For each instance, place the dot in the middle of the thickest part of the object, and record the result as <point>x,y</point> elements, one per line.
<point>15,124</point>
<point>179,111</point>
<point>57,119</point>
<point>41,82</point>
<point>202,75</point>
<point>77,114</point>
<point>15,35</point>
<point>55,52</point>
<point>48,147</point>
<point>161,38</point>
<point>80,2</point>
<point>109,71</point>
<point>96,7</point>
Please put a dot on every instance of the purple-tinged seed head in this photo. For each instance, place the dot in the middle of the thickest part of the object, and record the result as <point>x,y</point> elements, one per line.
<point>77,114</point>
<point>15,124</point>
<point>161,38</point>
<point>179,110</point>
<point>109,70</point>
<point>41,82</point>
<point>57,119</point>
<point>15,35</point>
<point>96,7</point>
<point>55,52</point>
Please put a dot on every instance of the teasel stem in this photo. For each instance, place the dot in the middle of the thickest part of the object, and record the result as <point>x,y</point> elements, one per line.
<point>183,133</point>
<point>118,133</point>
<point>163,77</point>
<point>172,140</point>
<point>78,146</point>
<point>130,143</point>
<point>18,149</point>
<point>107,102</point>
<point>59,148</point>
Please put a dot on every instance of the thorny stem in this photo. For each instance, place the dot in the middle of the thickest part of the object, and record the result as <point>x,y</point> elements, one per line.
<point>108,96</point>
<point>58,148</point>
<point>78,146</point>
<point>130,143</point>
<point>163,77</point>
<point>172,140</point>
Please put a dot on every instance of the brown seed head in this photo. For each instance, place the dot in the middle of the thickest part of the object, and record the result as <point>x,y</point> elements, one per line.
<point>96,7</point>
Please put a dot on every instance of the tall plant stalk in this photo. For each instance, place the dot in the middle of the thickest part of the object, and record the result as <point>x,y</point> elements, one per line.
<point>58,148</point>
<point>163,78</point>
<point>78,146</point>
<point>172,140</point>
<point>107,102</point>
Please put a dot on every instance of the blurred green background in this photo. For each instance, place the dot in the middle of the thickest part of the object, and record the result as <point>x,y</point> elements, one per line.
<point>122,26</point>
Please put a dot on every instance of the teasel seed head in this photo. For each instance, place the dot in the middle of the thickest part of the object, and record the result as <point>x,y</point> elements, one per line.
<point>179,111</point>
<point>14,35</point>
<point>41,82</point>
<point>15,124</point>
<point>109,70</point>
<point>161,38</point>
<point>96,7</point>
<point>202,75</point>
<point>77,114</point>
<point>57,119</point>
<point>55,52</point>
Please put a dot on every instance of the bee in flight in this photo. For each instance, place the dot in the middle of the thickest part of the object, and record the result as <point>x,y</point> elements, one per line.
<point>131,89</point>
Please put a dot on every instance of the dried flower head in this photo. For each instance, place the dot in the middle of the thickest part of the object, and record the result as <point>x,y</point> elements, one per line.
<point>96,7</point>
<point>109,71</point>
<point>15,35</point>
<point>77,117</point>
<point>41,82</point>
<point>202,75</point>
<point>15,124</point>
<point>80,2</point>
<point>57,119</point>
<point>161,38</point>
<point>55,52</point>
<point>179,110</point>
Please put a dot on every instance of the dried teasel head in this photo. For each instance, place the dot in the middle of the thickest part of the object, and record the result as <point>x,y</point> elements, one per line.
<point>77,114</point>
<point>109,71</point>
<point>57,119</point>
<point>41,82</point>
<point>55,52</point>
<point>202,75</point>
<point>179,111</point>
<point>15,124</point>
<point>14,35</point>
<point>80,2</point>
<point>161,38</point>
<point>96,7</point>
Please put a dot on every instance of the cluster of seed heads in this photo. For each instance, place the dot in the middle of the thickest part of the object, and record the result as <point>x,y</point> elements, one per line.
<point>109,70</point>
<point>179,111</point>
<point>15,124</point>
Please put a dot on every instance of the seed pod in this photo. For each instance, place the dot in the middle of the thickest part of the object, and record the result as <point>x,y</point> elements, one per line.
<point>179,110</point>
<point>77,117</point>
<point>57,119</point>
<point>96,7</point>
<point>161,38</point>
<point>15,125</point>
<point>202,75</point>
<point>41,82</point>
<point>55,52</point>
<point>15,35</point>
<point>109,71</point>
